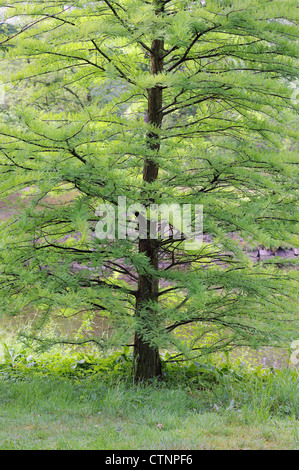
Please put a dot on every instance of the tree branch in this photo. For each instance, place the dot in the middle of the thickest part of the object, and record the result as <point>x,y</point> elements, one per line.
<point>198,35</point>
<point>122,74</point>
<point>148,49</point>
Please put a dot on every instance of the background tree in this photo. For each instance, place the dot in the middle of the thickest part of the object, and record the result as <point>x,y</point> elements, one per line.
<point>161,102</point>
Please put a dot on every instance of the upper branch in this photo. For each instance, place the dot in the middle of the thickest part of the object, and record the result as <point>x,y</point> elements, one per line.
<point>122,74</point>
<point>148,49</point>
<point>192,43</point>
<point>33,23</point>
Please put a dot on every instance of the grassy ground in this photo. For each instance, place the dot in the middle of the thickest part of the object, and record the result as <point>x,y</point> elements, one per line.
<point>48,412</point>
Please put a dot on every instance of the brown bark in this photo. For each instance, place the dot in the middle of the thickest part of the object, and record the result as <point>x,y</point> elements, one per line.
<point>146,356</point>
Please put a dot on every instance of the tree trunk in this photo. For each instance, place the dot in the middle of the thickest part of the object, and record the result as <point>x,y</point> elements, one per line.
<point>146,356</point>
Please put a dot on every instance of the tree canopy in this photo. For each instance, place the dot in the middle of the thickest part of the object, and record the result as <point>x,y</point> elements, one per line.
<point>159,102</point>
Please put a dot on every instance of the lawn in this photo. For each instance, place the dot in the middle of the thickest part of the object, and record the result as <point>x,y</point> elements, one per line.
<point>48,412</point>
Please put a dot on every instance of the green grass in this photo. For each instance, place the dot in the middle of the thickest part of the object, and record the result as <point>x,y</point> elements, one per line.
<point>50,407</point>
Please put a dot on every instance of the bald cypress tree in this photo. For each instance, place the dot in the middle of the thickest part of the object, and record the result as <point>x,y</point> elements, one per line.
<point>158,102</point>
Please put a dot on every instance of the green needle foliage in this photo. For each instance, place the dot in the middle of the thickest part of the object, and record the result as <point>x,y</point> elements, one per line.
<point>160,102</point>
